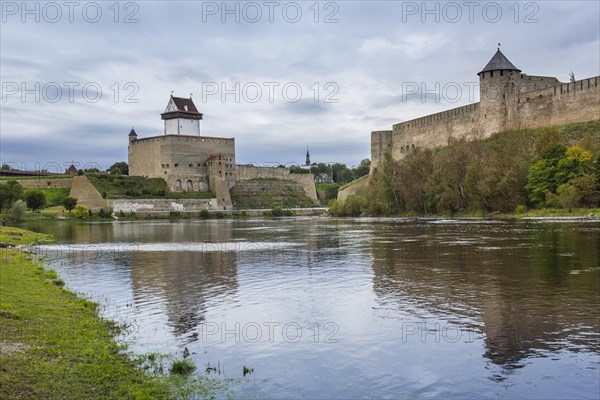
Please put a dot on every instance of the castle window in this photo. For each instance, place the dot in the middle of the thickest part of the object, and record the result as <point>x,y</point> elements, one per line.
<point>504,95</point>
<point>165,172</point>
<point>178,185</point>
<point>527,99</point>
<point>502,72</point>
<point>176,165</point>
<point>540,96</point>
<point>491,74</point>
<point>191,165</point>
<point>190,186</point>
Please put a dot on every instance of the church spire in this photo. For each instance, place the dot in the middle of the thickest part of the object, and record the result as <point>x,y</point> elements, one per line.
<point>307,163</point>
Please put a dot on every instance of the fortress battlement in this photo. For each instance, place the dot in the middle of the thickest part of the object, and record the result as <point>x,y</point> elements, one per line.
<point>509,100</point>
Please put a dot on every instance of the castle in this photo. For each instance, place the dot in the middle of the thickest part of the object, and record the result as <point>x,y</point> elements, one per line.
<point>509,100</point>
<point>188,161</point>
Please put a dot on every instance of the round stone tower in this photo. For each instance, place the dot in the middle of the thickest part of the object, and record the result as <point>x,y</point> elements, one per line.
<point>498,92</point>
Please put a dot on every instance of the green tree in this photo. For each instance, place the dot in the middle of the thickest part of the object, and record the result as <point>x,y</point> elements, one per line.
<point>17,211</point>
<point>9,193</point>
<point>35,199</point>
<point>363,169</point>
<point>341,173</point>
<point>320,168</point>
<point>119,168</point>
<point>543,175</point>
<point>69,203</point>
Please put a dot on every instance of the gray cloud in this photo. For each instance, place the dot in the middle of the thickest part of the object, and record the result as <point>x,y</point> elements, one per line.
<point>369,53</point>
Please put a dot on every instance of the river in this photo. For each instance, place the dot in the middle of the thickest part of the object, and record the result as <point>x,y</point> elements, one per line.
<point>353,308</point>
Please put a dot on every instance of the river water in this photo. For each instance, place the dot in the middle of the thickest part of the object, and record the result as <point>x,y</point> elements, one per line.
<point>353,308</point>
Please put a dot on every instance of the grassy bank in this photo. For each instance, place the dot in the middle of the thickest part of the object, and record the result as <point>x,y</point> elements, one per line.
<point>53,345</point>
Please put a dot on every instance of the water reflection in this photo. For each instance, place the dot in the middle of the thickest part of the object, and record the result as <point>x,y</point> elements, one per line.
<point>530,290</point>
<point>423,307</point>
<point>185,282</point>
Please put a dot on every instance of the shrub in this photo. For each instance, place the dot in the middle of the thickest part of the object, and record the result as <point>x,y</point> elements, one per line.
<point>81,212</point>
<point>17,211</point>
<point>204,214</point>
<point>521,209</point>
<point>105,212</point>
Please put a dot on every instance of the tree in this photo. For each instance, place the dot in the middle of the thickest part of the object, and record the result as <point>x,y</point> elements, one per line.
<point>119,168</point>
<point>542,177</point>
<point>363,169</point>
<point>5,166</point>
<point>17,210</point>
<point>341,173</point>
<point>9,193</point>
<point>69,203</point>
<point>35,199</point>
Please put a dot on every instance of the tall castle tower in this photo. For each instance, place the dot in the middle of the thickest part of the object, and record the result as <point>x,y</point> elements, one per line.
<point>181,117</point>
<point>498,92</point>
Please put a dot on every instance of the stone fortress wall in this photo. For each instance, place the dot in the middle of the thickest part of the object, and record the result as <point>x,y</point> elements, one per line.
<point>509,100</point>
<point>180,158</point>
<point>190,162</point>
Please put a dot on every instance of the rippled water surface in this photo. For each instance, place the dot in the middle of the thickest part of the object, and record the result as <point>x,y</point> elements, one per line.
<point>354,308</point>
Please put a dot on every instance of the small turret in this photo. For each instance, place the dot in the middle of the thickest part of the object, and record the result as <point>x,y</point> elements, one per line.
<point>132,136</point>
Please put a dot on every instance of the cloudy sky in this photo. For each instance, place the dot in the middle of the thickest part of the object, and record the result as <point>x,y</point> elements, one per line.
<point>277,76</point>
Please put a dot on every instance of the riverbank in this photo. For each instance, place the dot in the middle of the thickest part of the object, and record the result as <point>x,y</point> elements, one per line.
<point>53,344</point>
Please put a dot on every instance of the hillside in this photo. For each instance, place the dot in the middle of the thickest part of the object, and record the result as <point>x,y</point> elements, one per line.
<point>557,167</point>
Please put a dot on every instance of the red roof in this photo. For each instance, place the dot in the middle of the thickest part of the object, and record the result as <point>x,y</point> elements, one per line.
<point>182,103</point>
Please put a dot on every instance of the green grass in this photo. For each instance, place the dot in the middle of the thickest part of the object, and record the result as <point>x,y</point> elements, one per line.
<point>55,196</point>
<point>327,191</point>
<point>16,236</point>
<point>53,345</point>
<point>347,185</point>
<point>126,187</point>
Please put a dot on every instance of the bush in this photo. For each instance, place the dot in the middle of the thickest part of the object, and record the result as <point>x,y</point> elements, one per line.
<point>105,212</point>
<point>81,212</point>
<point>17,211</point>
<point>204,214</point>
<point>521,209</point>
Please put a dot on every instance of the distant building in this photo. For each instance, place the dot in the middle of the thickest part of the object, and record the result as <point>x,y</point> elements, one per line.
<point>72,170</point>
<point>188,161</point>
